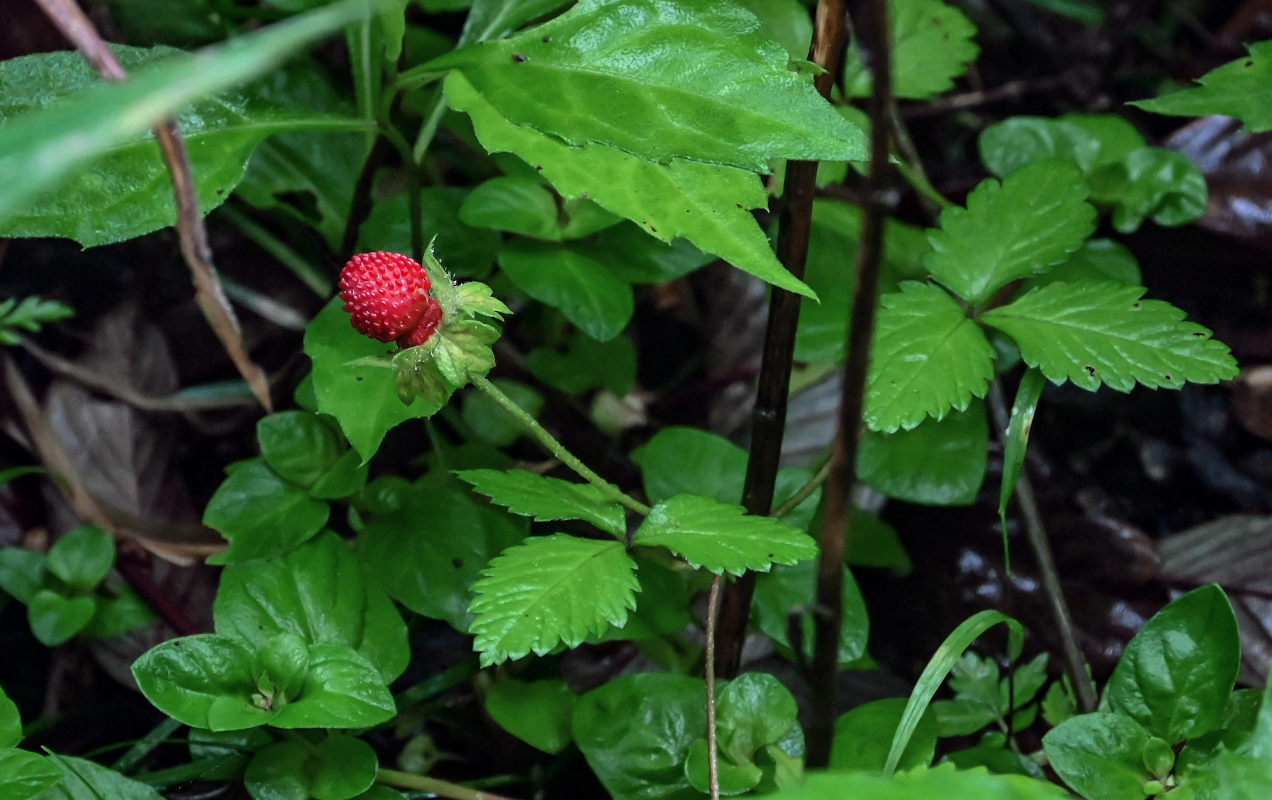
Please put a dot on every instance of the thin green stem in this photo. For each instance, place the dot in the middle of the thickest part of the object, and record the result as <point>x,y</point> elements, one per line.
<point>804,492</point>
<point>434,118</point>
<point>159,734</point>
<point>557,449</point>
<point>713,745</point>
<point>317,282</point>
<point>435,786</point>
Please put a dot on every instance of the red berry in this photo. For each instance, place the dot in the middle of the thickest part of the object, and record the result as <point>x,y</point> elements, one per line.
<point>386,295</point>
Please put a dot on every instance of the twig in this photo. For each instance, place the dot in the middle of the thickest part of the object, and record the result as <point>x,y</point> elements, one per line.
<point>713,746</point>
<point>1036,535</point>
<point>434,786</point>
<point>72,22</point>
<point>553,446</point>
<point>836,521</point>
<point>981,97</point>
<point>768,420</point>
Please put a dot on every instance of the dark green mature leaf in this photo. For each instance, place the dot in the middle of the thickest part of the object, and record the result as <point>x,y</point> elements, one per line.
<point>861,741</point>
<point>279,771</point>
<point>319,593</point>
<point>361,395</point>
<point>613,55</point>
<point>513,204</point>
<point>82,557</point>
<point>261,514</point>
<point>1241,88</point>
<point>931,46</point>
<point>587,364</point>
<point>1095,333</point>
<point>720,537</point>
<point>786,593</point>
<point>639,258</point>
<point>565,277</point>
<point>940,462</point>
<point>928,359</point>
<point>1176,674</point>
<point>465,251</point>
<point>56,618</point>
<point>342,690</point>
<point>538,713</point>
<point>1100,756</point>
<point>1097,259</point>
<point>705,203</point>
<point>546,498</point>
<point>40,149</point>
<point>297,445</point>
<point>127,192</point>
<point>204,681</point>
<point>635,733</point>
<point>679,460</point>
<point>548,591</point>
<point>10,722</point>
<point>1031,221</point>
<point>84,780</point>
<point>1087,140</point>
<point>784,21</point>
<point>430,549</point>
<point>26,774</point>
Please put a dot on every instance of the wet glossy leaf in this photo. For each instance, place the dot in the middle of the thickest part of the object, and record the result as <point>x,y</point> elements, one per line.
<point>1100,333</point>
<point>26,774</point>
<point>297,445</point>
<point>1099,756</point>
<point>261,514</point>
<point>546,498</point>
<point>204,681</point>
<point>342,690</point>
<point>550,590</point>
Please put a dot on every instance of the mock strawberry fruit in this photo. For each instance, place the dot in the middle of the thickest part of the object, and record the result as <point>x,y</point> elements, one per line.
<point>386,295</point>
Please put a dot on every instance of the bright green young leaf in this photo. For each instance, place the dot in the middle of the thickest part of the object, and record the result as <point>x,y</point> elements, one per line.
<point>1176,674</point>
<point>931,46</point>
<point>127,192</point>
<point>428,551</point>
<point>547,591</point>
<point>1018,427</point>
<point>755,710</point>
<point>940,462</point>
<point>587,364</point>
<point>1031,221</point>
<point>547,499</point>
<point>26,774</point>
<point>261,514</point>
<point>55,618</point>
<point>465,252</point>
<point>1103,333</point>
<point>784,21</point>
<point>636,731</point>
<point>85,780</point>
<point>788,591</point>
<point>720,537</point>
<point>31,313</point>
<point>538,713</point>
<point>928,359</point>
<point>204,681</point>
<point>342,690</point>
<point>1098,260</point>
<point>362,397</point>
<point>1099,756</point>
<point>513,204</point>
<point>82,557</point>
<point>1241,89</point>
<point>861,737</point>
<point>611,55</point>
<point>21,572</point>
<point>707,204</point>
<point>1087,140</point>
<point>943,781</point>
<point>583,288</point>
<point>10,722</point>
<point>297,445</point>
<point>38,150</point>
<point>679,460</point>
<point>318,592</point>
<point>1151,182</point>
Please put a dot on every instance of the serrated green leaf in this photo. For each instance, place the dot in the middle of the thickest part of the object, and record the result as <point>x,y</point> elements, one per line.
<point>548,591</point>
<point>928,359</point>
<point>40,149</point>
<point>1101,333</point>
<point>784,21</point>
<point>572,280</point>
<point>1031,221</point>
<point>127,192</point>
<point>1097,259</point>
<point>613,55</point>
<point>476,298</point>
<point>720,537</point>
<point>546,498</point>
<point>1240,88</point>
<point>705,203</point>
<point>931,46</point>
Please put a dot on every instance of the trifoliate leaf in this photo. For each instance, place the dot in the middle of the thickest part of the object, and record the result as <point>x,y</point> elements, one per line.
<point>1022,227</point>
<point>603,72</point>
<point>928,359</point>
<point>548,591</point>
<point>720,537</point>
<point>1095,333</point>
<point>1241,88</point>
<point>546,499</point>
<point>931,46</point>
<point>30,314</point>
